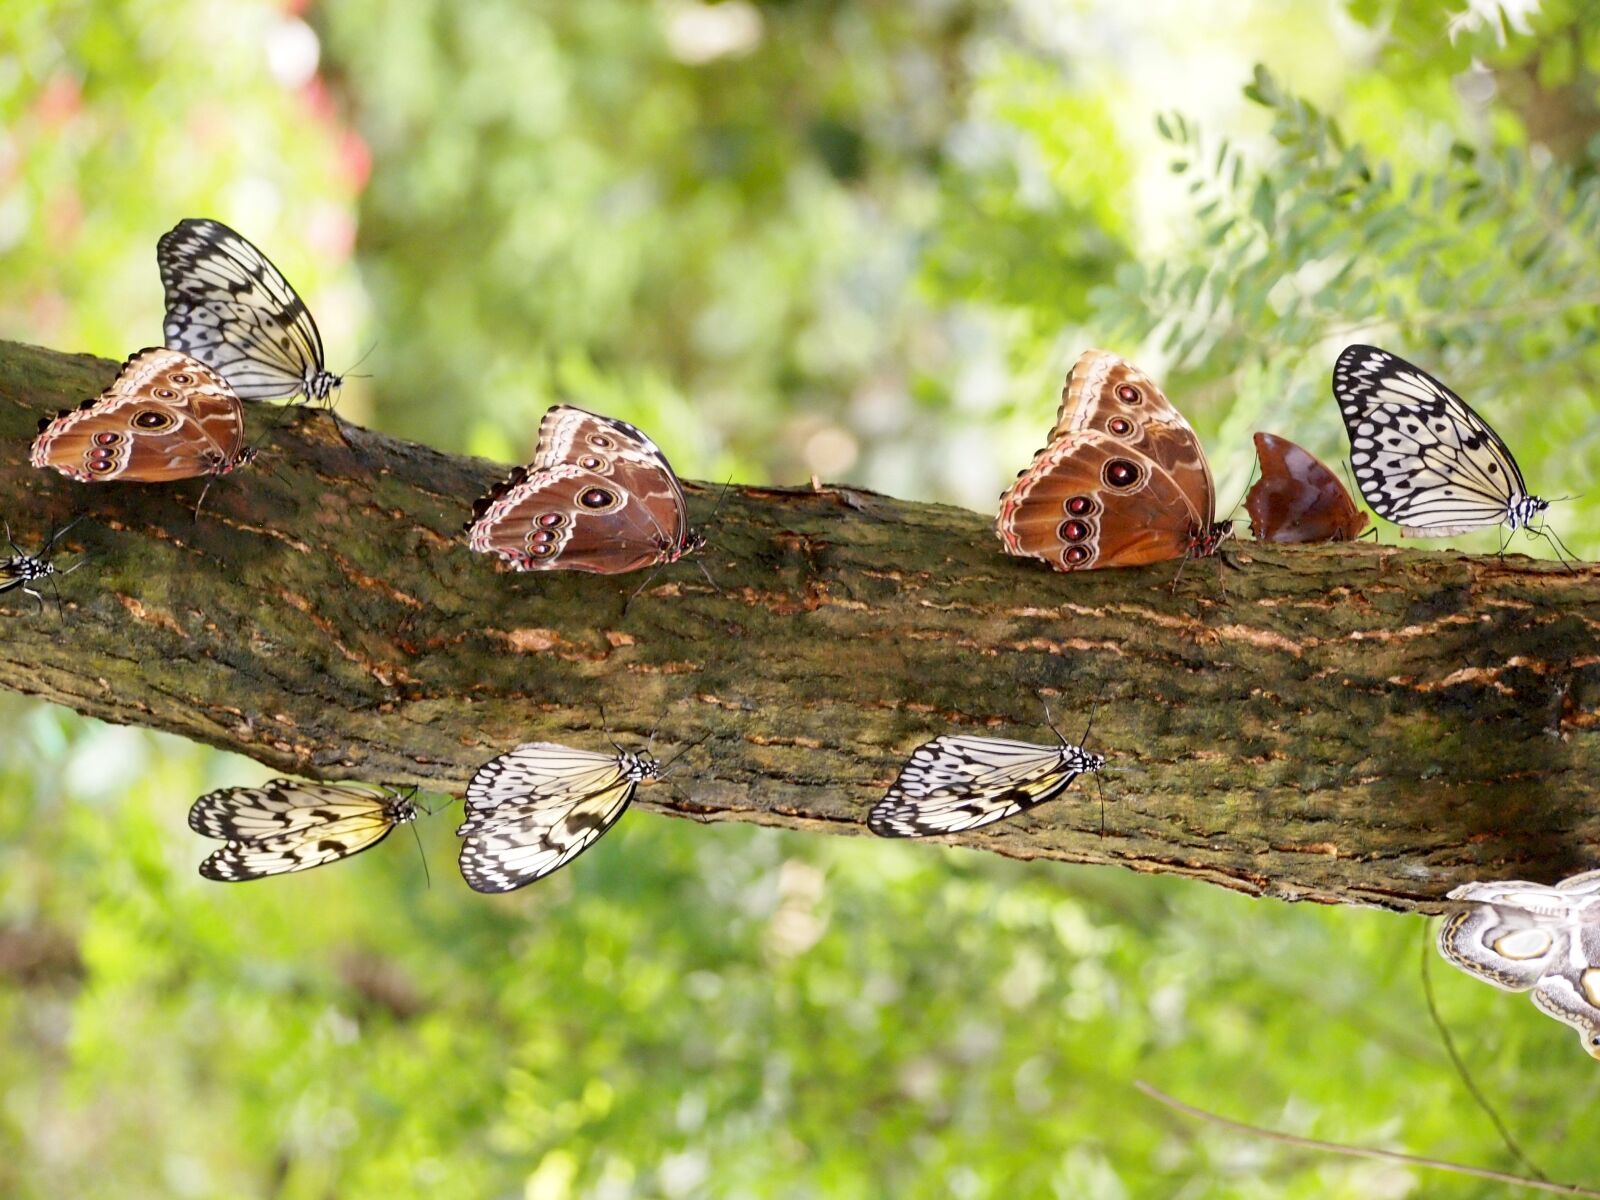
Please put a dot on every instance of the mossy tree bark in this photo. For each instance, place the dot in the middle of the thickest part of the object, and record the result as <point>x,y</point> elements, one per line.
<point>1351,723</point>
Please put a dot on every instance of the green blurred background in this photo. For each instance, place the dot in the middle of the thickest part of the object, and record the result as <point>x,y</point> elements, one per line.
<point>858,240</point>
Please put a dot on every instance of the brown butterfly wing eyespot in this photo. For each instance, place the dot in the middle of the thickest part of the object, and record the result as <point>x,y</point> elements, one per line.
<point>1298,499</point>
<point>1134,488</point>
<point>620,510</point>
<point>142,429</point>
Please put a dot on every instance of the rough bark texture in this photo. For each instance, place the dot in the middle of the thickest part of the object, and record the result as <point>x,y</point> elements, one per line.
<point>1351,723</point>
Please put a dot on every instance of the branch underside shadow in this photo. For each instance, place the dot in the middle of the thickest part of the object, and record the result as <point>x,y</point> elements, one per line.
<point>1352,723</point>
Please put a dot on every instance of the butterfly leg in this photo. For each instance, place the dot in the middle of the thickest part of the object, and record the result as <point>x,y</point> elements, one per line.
<point>20,553</point>
<point>29,591</point>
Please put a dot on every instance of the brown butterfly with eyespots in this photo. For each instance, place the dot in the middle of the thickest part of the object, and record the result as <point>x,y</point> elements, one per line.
<point>166,416</point>
<point>1297,499</point>
<point>599,496</point>
<point>1122,482</point>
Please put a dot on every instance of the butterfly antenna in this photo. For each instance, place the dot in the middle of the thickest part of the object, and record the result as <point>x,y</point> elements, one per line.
<point>55,536</point>
<point>427,875</point>
<point>61,609</point>
<point>684,751</point>
<point>365,354</point>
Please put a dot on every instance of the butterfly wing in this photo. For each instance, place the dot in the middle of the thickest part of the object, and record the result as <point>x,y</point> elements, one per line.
<point>599,497</point>
<point>1106,394</point>
<point>1089,500</point>
<point>952,784</point>
<point>166,416</point>
<point>1423,459</point>
<point>536,808</point>
<point>1504,944</point>
<point>287,825</point>
<point>1297,499</point>
<point>1570,992</point>
<point>228,306</point>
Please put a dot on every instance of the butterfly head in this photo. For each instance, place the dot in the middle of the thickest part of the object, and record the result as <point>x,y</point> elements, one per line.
<point>243,458</point>
<point>1203,543</point>
<point>640,764</point>
<point>693,542</point>
<point>1523,509</point>
<point>321,385</point>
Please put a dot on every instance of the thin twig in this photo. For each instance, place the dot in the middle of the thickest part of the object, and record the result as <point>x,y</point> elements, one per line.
<point>1394,1156</point>
<point>1461,1066</point>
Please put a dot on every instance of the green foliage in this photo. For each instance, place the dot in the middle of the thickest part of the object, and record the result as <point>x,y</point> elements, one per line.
<point>697,1011</point>
<point>866,235</point>
<point>1479,264</point>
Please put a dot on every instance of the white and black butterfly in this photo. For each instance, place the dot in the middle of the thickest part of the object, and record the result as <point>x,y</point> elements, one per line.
<point>229,307</point>
<point>288,825</point>
<point>534,809</point>
<point>1422,458</point>
<point>1527,937</point>
<point>22,570</point>
<point>956,783</point>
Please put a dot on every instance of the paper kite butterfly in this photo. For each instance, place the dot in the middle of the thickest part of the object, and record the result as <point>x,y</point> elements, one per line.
<point>23,570</point>
<point>1422,458</point>
<point>228,306</point>
<point>1527,937</point>
<point>534,809</point>
<point>956,783</point>
<point>1123,480</point>
<point>599,496</point>
<point>287,825</point>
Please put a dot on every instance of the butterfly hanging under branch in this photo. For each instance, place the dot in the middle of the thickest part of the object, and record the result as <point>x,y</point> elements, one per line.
<point>1123,480</point>
<point>229,307</point>
<point>23,570</point>
<point>1528,937</point>
<point>534,809</point>
<point>599,496</point>
<point>1422,458</point>
<point>166,416</point>
<point>288,825</point>
<point>956,783</point>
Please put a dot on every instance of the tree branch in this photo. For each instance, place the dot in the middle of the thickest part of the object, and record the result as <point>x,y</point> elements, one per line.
<point>1347,723</point>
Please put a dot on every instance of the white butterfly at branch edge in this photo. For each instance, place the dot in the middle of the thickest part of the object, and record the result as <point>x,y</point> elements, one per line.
<point>1422,458</point>
<point>1528,937</point>
<point>952,784</point>
<point>287,825</point>
<point>534,809</point>
<point>229,307</point>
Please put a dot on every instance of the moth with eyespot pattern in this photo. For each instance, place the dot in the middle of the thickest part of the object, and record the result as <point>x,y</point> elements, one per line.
<point>289,825</point>
<point>599,496</point>
<point>1530,937</point>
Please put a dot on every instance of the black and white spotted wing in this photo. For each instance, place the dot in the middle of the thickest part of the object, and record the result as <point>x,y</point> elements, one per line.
<point>534,809</point>
<point>953,784</point>
<point>287,825</point>
<point>228,306</point>
<point>1422,458</point>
